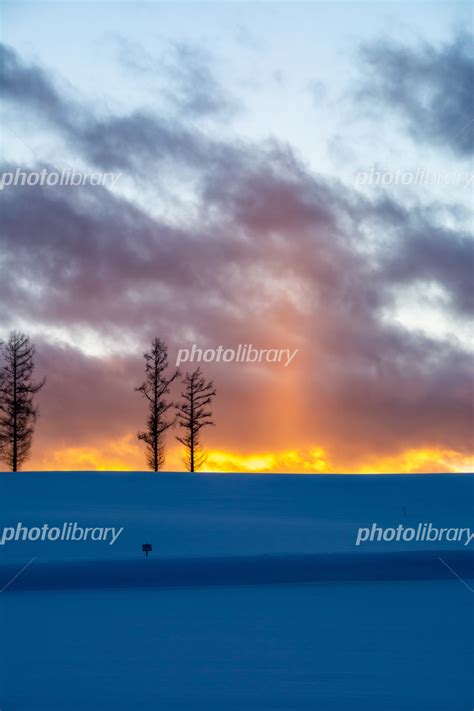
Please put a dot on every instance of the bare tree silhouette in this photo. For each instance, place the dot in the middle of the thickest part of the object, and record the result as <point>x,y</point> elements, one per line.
<point>18,413</point>
<point>154,389</point>
<point>193,415</point>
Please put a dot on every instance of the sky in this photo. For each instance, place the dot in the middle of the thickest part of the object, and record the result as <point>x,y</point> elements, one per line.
<point>282,174</point>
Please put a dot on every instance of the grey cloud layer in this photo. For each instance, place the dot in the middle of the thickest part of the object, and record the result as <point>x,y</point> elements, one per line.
<point>431,88</point>
<point>275,258</point>
<point>131,142</point>
<point>183,75</point>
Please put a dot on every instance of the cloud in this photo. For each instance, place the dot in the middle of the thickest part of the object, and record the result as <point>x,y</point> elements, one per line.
<point>318,91</point>
<point>428,253</point>
<point>30,86</point>
<point>132,142</point>
<point>194,89</point>
<point>430,88</point>
<point>184,75</point>
<point>274,256</point>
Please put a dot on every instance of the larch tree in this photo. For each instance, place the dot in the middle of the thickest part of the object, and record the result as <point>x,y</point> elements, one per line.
<point>18,413</point>
<point>154,390</point>
<point>193,414</point>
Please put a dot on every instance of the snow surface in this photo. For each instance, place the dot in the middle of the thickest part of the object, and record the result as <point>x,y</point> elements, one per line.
<point>205,622</point>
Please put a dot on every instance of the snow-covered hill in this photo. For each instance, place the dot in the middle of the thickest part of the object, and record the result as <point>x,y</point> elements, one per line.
<point>205,623</point>
<point>189,515</point>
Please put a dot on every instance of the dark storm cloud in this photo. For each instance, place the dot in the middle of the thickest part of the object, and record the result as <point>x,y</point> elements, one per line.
<point>431,88</point>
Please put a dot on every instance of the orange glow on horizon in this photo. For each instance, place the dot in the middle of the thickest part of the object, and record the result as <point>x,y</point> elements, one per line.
<point>421,460</point>
<point>126,454</point>
<point>116,455</point>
